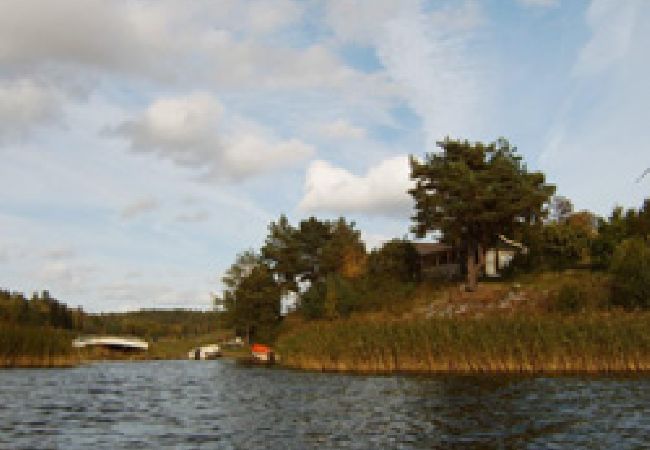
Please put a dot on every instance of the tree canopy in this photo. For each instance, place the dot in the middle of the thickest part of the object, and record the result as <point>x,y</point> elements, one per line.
<point>312,250</point>
<point>252,298</point>
<point>473,192</point>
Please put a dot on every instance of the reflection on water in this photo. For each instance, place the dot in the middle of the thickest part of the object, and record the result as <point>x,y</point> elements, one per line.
<point>216,404</point>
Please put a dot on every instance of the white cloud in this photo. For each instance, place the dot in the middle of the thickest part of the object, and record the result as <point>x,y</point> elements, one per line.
<point>247,155</point>
<point>254,64</point>
<point>181,128</point>
<point>224,43</point>
<point>341,129</point>
<point>187,130</point>
<point>89,32</point>
<point>194,216</point>
<point>25,104</point>
<point>270,15</point>
<point>425,54</point>
<point>64,274</point>
<point>439,80</point>
<point>381,191</point>
<point>130,296</point>
<point>539,3</point>
<point>464,17</point>
<point>139,207</point>
<point>360,21</point>
<point>600,130</point>
<point>60,253</point>
<point>612,23</point>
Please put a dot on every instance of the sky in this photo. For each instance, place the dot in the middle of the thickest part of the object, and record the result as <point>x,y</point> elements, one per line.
<point>143,144</point>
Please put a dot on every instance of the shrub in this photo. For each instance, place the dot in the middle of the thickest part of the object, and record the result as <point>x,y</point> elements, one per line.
<point>630,270</point>
<point>581,291</point>
<point>570,298</point>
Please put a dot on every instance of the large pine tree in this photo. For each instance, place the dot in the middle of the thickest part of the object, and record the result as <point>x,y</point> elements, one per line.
<point>472,193</point>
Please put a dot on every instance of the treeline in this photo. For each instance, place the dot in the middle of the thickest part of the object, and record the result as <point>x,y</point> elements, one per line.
<point>617,246</point>
<point>322,268</point>
<point>41,309</point>
<point>36,331</point>
<point>153,324</point>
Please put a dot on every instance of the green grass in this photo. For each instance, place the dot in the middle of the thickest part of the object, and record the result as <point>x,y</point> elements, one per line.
<point>177,347</point>
<point>537,343</point>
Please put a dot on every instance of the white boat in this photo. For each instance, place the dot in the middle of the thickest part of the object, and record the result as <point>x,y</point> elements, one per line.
<point>114,342</point>
<point>211,351</point>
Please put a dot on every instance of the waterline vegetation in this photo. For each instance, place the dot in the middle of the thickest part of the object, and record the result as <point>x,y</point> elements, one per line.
<point>35,346</point>
<point>531,344</point>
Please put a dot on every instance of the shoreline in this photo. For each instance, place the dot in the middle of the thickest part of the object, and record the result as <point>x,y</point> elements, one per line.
<point>38,362</point>
<point>450,369</point>
<point>316,366</point>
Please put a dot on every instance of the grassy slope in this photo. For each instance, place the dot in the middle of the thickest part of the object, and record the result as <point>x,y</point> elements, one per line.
<point>497,329</point>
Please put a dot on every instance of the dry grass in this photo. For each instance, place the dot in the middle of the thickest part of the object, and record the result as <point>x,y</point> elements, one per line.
<point>39,361</point>
<point>33,342</point>
<point>495,343</point>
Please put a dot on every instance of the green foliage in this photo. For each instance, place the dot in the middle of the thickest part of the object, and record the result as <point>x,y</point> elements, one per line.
<point>340,297</point>
<point>154,324</point>
<point>396,259</point>
<point>471,193</point>
<point>18,340</point>
<point>331,303</point>
<point>561,246</point>
<point>630,270</point>
<point>311,251</point>
<point>582,294</point>
<point>40,309</point>
<point>554,246</point>
<point>252,298</point>
<point>312,302</point>
<point>334,298</point>
<point>620,226</point>
<point>610,233</point>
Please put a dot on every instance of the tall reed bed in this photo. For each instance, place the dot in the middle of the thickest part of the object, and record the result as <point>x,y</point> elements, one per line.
<point>35,346</point>
<point>543,343</point>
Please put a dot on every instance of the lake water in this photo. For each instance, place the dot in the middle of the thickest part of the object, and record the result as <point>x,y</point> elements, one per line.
<point>217,404</point>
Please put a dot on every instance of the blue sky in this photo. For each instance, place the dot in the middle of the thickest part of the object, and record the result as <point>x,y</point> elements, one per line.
<point>145,143</point>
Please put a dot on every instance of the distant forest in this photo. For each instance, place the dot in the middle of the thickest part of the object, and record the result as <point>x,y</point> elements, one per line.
<point>43,310</point>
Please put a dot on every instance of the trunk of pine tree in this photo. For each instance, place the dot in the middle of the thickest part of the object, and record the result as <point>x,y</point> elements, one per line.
<point>472,268</point>
<point>481,260</point>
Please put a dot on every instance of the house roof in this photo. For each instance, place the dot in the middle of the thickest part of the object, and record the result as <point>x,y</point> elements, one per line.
<point>427,248</point>
<point>512,243</point>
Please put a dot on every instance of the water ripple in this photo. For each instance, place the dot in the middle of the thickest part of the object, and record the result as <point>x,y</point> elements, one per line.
<point>216,404</point>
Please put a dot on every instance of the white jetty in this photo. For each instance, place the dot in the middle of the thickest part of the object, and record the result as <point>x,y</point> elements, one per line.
<point>114,342</point>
